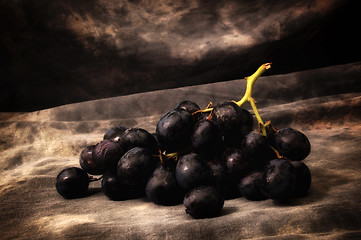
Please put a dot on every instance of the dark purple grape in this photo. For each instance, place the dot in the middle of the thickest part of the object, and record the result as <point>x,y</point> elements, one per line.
<point>174,130</point>
<point>250,186</point>
<point>115,190</point>
<point>303,182</point>
<point>292,144</point>
<point>234,122</point>
<point>138,137</point>
<point>106,154</point>
<point>189,106</point>
<point>114,134</point>
<point>135,167</point>
<point>222,180</point>
<point>279,179</point>
<point>256,147</point>
<point>87,162</point>
<point>271,131</point>
<point>192,171</point>
<point>207,139</point>
<point>162,188</point>
<point>72,183</point>
<point>236,162</point>
<point>203,202</point>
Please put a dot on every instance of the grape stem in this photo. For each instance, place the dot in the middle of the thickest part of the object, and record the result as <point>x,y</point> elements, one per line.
<point>93,179</point>
<point>248,95</point>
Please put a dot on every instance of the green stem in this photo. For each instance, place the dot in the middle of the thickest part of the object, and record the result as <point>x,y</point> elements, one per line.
<point>248,94</point>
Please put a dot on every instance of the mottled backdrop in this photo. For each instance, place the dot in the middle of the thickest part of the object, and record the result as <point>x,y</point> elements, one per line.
<point>62,51</point>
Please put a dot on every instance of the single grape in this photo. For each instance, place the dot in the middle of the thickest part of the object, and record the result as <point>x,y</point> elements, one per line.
<point>203,202</point>
<point>207,139</point>
<point>72,182</point>
<point>292,144</point>
<point>189,106</point>
<point>138,137</point>
<point>236,162</point>
<point>135,167</point>
<point>222,180</point>
<point>174,130</point>
<point>162,187</point>
<point>250,186</point>
<point>87,162</point>
<point>279,179</point>
<point>256,147</point>
<point>115,190</point>
<point>106,154</point>
<point>234,122</point>
<point>114,134</point>
<point>303,182</point>
<point>192,171</point>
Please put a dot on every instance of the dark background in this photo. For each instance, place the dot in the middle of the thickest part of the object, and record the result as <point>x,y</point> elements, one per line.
<point>61,51</point>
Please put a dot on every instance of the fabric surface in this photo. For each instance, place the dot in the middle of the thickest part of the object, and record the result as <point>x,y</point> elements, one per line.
<point>323,103</point>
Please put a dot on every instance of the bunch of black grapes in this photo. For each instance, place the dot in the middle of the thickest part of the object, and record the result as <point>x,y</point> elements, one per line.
<point>198,157</point>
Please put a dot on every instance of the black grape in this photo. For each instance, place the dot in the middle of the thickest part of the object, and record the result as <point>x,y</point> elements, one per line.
<point>206,138</point>
<point>192,171</point>
<point>234,122</point>
<point>72,182</point>
<point>203,202</point>
<point>236,162</point>
<point>106,154</point>
<point>114,134</point>
<point>135,167</point>
<point>162,187</point>
<point>138,137</point>
<point>292,144</point>
<point>279,179</point>
<point>250,186</point>
<point>116,190</point>
<point>255,146</point>
<point>189,106</point>
<point>303,182</point>
<point>174,130</point>
<point>222,180</point>
<point>87,162</point>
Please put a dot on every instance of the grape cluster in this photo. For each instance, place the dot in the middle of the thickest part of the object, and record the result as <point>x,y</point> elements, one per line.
<point>198,157</point>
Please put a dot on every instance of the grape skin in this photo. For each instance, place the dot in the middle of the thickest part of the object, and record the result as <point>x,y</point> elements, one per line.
<point>292,144</point>
<point>233,121</point>
<point>138,137</point>
<point>256,147</point>
<point>207,139</point>
<point>174,130</point>
<point>192,171</point>
<point>106,154</point>
<point>135,167</point>
<point>162,188</point>
<point>116,190</point>
<point>279,179</point>
<point>203,202</point>
<point>250,186</point>
<point>236,162</point>
<point>303,181</point>
<point>114,134</point>
<point>72,183</point>
<point>87,162</point>
<point>189,106</point>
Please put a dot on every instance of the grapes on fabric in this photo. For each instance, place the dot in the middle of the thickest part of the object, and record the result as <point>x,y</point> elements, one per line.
<point>198,157</point>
